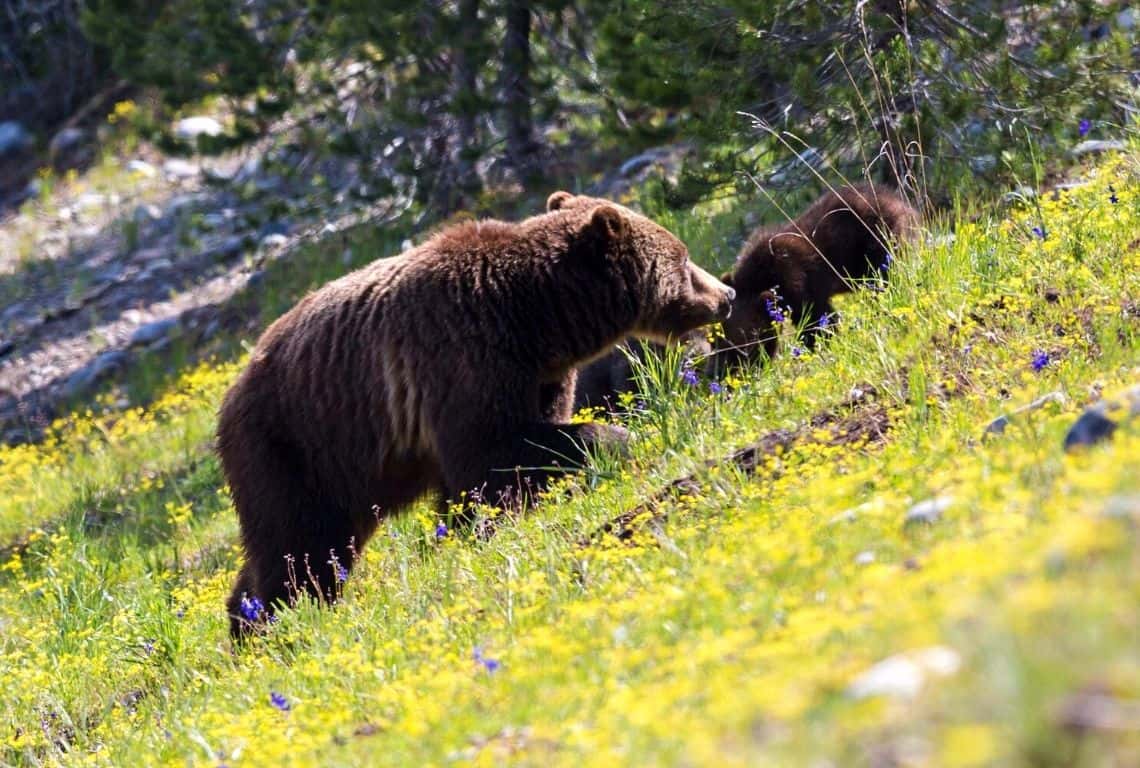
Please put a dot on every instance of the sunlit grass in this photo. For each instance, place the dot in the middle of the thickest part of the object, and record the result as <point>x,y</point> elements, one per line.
<point>729,634</point>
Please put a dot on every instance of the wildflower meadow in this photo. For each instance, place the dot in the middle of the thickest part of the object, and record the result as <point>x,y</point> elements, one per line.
<point>909,568</point>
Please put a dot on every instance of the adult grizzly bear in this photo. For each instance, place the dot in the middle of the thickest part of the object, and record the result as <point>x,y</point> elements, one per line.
<point>843,237</point>
<point>449,368</point>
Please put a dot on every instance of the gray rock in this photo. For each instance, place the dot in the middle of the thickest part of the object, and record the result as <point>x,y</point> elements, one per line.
<point>266,184</point>
<point>983,163</point>
<point>275,227</point>
<point>1090,428</point>
<point>145,213</point>
<point>929,510</point>
<point>148,334</point>
<point>865,558</point>
<point>93,373</point>
<point>213,220</point>
<point>184,204</point>
<point>66,145</point>
<point>272,241</point>
<point>13,137</point>
<point>248,171</point>
<point>176,168</point>
<point>190,128</point>
<point>228,248</point>
<point>142,168</point>
<point>1124,507</point>
<point>998,425</point>
<point>90,200</point>
<point>1097,146</point>
<point>255,279</point>
<point>6,347</point>
<point>218,174</point>
<point>903,675</point>
<point>153,268</point>
<point>1098,422</point>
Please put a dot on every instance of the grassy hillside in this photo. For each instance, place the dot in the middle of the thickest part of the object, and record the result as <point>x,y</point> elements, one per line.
<point>741,620</point>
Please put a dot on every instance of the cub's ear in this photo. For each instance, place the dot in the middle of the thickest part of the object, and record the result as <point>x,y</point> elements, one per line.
<point>557,200</point>
<point>607,223</point>
<point>726,278</point>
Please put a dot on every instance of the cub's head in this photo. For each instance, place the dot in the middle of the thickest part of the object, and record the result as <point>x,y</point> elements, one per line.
<point>749,332</point>
<point>672,294</point>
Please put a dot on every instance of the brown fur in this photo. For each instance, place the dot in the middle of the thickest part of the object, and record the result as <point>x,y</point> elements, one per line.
<point>841,238</point>
<point>448,369</point>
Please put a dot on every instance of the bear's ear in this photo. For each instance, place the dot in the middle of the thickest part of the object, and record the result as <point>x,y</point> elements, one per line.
<point>726,278</point>
<point>557,200</point>
<point>607,222</point>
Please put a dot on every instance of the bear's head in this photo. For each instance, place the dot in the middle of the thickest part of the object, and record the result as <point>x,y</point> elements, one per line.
<point>673,295</point>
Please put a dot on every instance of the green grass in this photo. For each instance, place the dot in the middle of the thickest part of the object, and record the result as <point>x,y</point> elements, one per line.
<point>727,634</point>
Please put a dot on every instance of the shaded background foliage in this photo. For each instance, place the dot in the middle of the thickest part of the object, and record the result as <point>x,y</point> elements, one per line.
<point>445,98</point>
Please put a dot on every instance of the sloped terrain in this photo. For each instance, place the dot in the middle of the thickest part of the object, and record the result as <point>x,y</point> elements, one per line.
<point>880,553</point>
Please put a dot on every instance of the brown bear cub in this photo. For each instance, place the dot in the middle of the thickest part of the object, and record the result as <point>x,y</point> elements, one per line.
<point>448,369</point>
<point>842,238</point>
<point>789,271</point>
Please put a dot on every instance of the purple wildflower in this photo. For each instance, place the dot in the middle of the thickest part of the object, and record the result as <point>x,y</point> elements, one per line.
<point>491,665</point>
<point>825,320</point>
<point>278,701</point>
<point>341,574</point>
<point>1112,198</point>
<point>774,311</point>
<point>1040,232</point>
<point>796,351</point>
<point>1040,360</point>
<point>689,376</point>
<point>252,608</point>
<point>441,530</point>
<point>888,260</point>
<point>1084,128</point>
<point>715,387</point>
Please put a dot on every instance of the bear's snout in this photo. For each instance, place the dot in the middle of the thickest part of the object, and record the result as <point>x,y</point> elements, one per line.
<point>728,303</point>
<point>719,296</point>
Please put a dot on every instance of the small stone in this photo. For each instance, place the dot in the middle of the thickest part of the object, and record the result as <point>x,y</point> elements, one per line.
<point>929,511</point>
<point>255,278</point>
<point>865,558</point>
<point>997,426</point>
<point>145,213</point>
<point>5,348</point>
<point>266,184</point>
<point>276,227</point>
<point>92,373</point>
<point>1096,146</point>
<point>64,143</point>
<point>228,248</point>
<point>151,332</point>
<point>273,241</point>
<point>983,163</point>
<point>176,168</point>
<point>190,128</point>
<point>1124,507</point>
<point>90,200</point>
<point>213,220</point>
<point>142,168</point>
<point>13,137</point>
<point>1091,427</point>
<point>902,676</point>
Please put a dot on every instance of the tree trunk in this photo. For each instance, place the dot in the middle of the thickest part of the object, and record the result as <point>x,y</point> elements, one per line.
<point>466,96</point>
<point>522,149</point>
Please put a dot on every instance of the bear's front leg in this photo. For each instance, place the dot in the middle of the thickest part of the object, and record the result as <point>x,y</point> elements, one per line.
<point>556,398</point>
